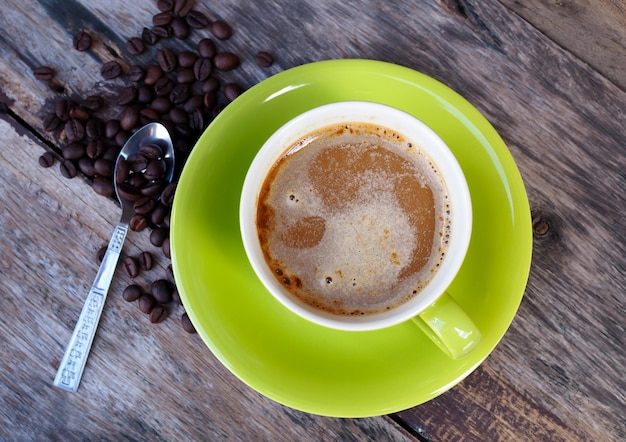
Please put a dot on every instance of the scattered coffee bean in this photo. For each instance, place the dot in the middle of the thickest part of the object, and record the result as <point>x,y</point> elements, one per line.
<point>85,165</point>
<point>202,68</point>
<point>162,31</point>
<point>226,61</point>
<point>155,170</point>
<point>104,167</point>
<point>185,76</point>
<point>73,151</point>
<point>111,70</point>
<point>135,46</point>
<point>166,248</point>
<point>103,185</point>
<point>162,290</point>
<point>232,91</point>
<point>44,73</point>
<point>165,5</point>
<point>52,123</point>
<point>180,93</point>
<point>167,59</point>
<point>146,303</point>
<point>164,86</point>
<point>264,59</point>
<point>149,37</point>
<point>207,48</point>
<point>145,261</point>
<point>158,314</point>
<point>131,266</point>
<point>74,130</point>
<point>136,73</point>
<point>111,128</point>
<point>95,149</point>
<point>62,109</point>
<point>169,272</point>
<point>186,323</point>
<point>82,41</point>
<point>180,28</point>
<point>144,205</point>
<point>151,150</point>
<point>78,113</point>
<point>127,96</point>
<point>221,29</point>
<point>157,236</point>
<point>158,214</point>
<point>68,169</point>
<point>92,102</point>
<point>167,196</point>
<point>138,222</point>
<point>132,293</point>
<point>46,160</point>
<point>129,118</point>
<point>197,19</point>
<point>162,18</point>
<point>161,105</point>
<point>182,7</point>
<point>153,74</point>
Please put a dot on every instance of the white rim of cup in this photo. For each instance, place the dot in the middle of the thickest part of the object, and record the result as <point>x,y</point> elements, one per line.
<point>401,122</point>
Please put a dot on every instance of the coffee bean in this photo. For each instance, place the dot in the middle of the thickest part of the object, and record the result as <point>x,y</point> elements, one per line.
<point>86,166</point>
<point>186,324</point>
<point>166,220</point>
<point>131,266</point>
<point>185,76</point>
<point>264,59</point>
<point>225,61</point>
<point>68,169</point>
<point>176,297</point>
<point>162,290</point>
<point>132,293</point>
<point>92,102</point>
<point>180,28</point>
<point>165,5</point>
<point>82,41</point>
<point>46,159</point>
<point>137,222</point>
<point>232,91</point>
<point>148,114</point>
<point>145,94</point>
<point>163,18</point>
<point>202,68</point>
<point>51,123</point>
<point>162,31</point>
<point>194,102</point>
<point>135,46</point>
<point>111,70</point>
<point>151,150</point>
<point>73,151</point>
<point>104,167</point>
<point>103,185</point>
<point>167,59</point>
<point>178,116</point>
<point>100,254</point>
<point>221,29</point>
<point>111,128</point>
<point>184,130</point>
<point>166,248</point>
<point>180,93</point>
<point>155,170</point>
<point>62,109</point>
<point>149,37</point>
<point>210,85</point>
<point>94,128</point>
<point>197,19</point>
<point>182,7</point>
<point>126,96</point>
<point>137,181</point>
<point>74,130</point>
<point>145,261</point>
<point>207,48</point>
<point>129,118</point>
<point>44,73</point>
<point>137,162</point>
<point>122,137</point>
<point>146,303</point>
<point>167,196</point>
<point>79,113</point>
<point>153,74</point>
<point>157,236</point>
<point>144,205</point>
<point>95,149</point>
<point>158,314</point>
<point>110,153</point>
<point>186,59</point>
<point>197,120</point>
<point>136,73</point>
<point>158,213</point>
<point>164,86</point>
<point>161,105</point>
<point>169,273</point>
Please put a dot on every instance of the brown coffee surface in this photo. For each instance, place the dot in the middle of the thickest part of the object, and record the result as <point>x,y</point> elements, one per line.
<point>353,218</point>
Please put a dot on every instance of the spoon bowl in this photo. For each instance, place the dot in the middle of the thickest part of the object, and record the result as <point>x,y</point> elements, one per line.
<point>72,365</point>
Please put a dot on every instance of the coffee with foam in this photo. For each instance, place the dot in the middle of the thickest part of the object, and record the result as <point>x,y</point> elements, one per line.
<point>354,219</point>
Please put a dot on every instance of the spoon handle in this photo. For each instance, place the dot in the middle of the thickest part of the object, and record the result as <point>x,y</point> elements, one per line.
<point>73,363</point>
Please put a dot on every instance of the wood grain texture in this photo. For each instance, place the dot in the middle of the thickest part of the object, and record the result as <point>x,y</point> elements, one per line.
<point>593,31</point>
<point>556,375</point>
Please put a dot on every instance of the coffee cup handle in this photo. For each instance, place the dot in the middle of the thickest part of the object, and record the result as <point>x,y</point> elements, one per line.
<point>448,326</point>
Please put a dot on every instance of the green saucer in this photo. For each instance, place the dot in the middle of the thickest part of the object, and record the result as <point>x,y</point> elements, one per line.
<point>309,367</point>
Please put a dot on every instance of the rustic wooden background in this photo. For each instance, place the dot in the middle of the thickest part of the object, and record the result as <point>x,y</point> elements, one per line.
<point>550,76</point>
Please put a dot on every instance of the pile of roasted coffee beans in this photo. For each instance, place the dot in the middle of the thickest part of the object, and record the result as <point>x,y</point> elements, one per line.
<point>181,89</point>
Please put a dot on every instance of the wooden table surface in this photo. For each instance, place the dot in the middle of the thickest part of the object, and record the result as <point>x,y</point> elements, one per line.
<point>550,77</point>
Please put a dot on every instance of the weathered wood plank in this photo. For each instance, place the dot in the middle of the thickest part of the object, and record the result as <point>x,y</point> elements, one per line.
<point>557,374</point>
<point>593,31</point>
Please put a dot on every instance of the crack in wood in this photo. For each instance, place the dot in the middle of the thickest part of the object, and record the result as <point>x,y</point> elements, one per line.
<point>467,11</point>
